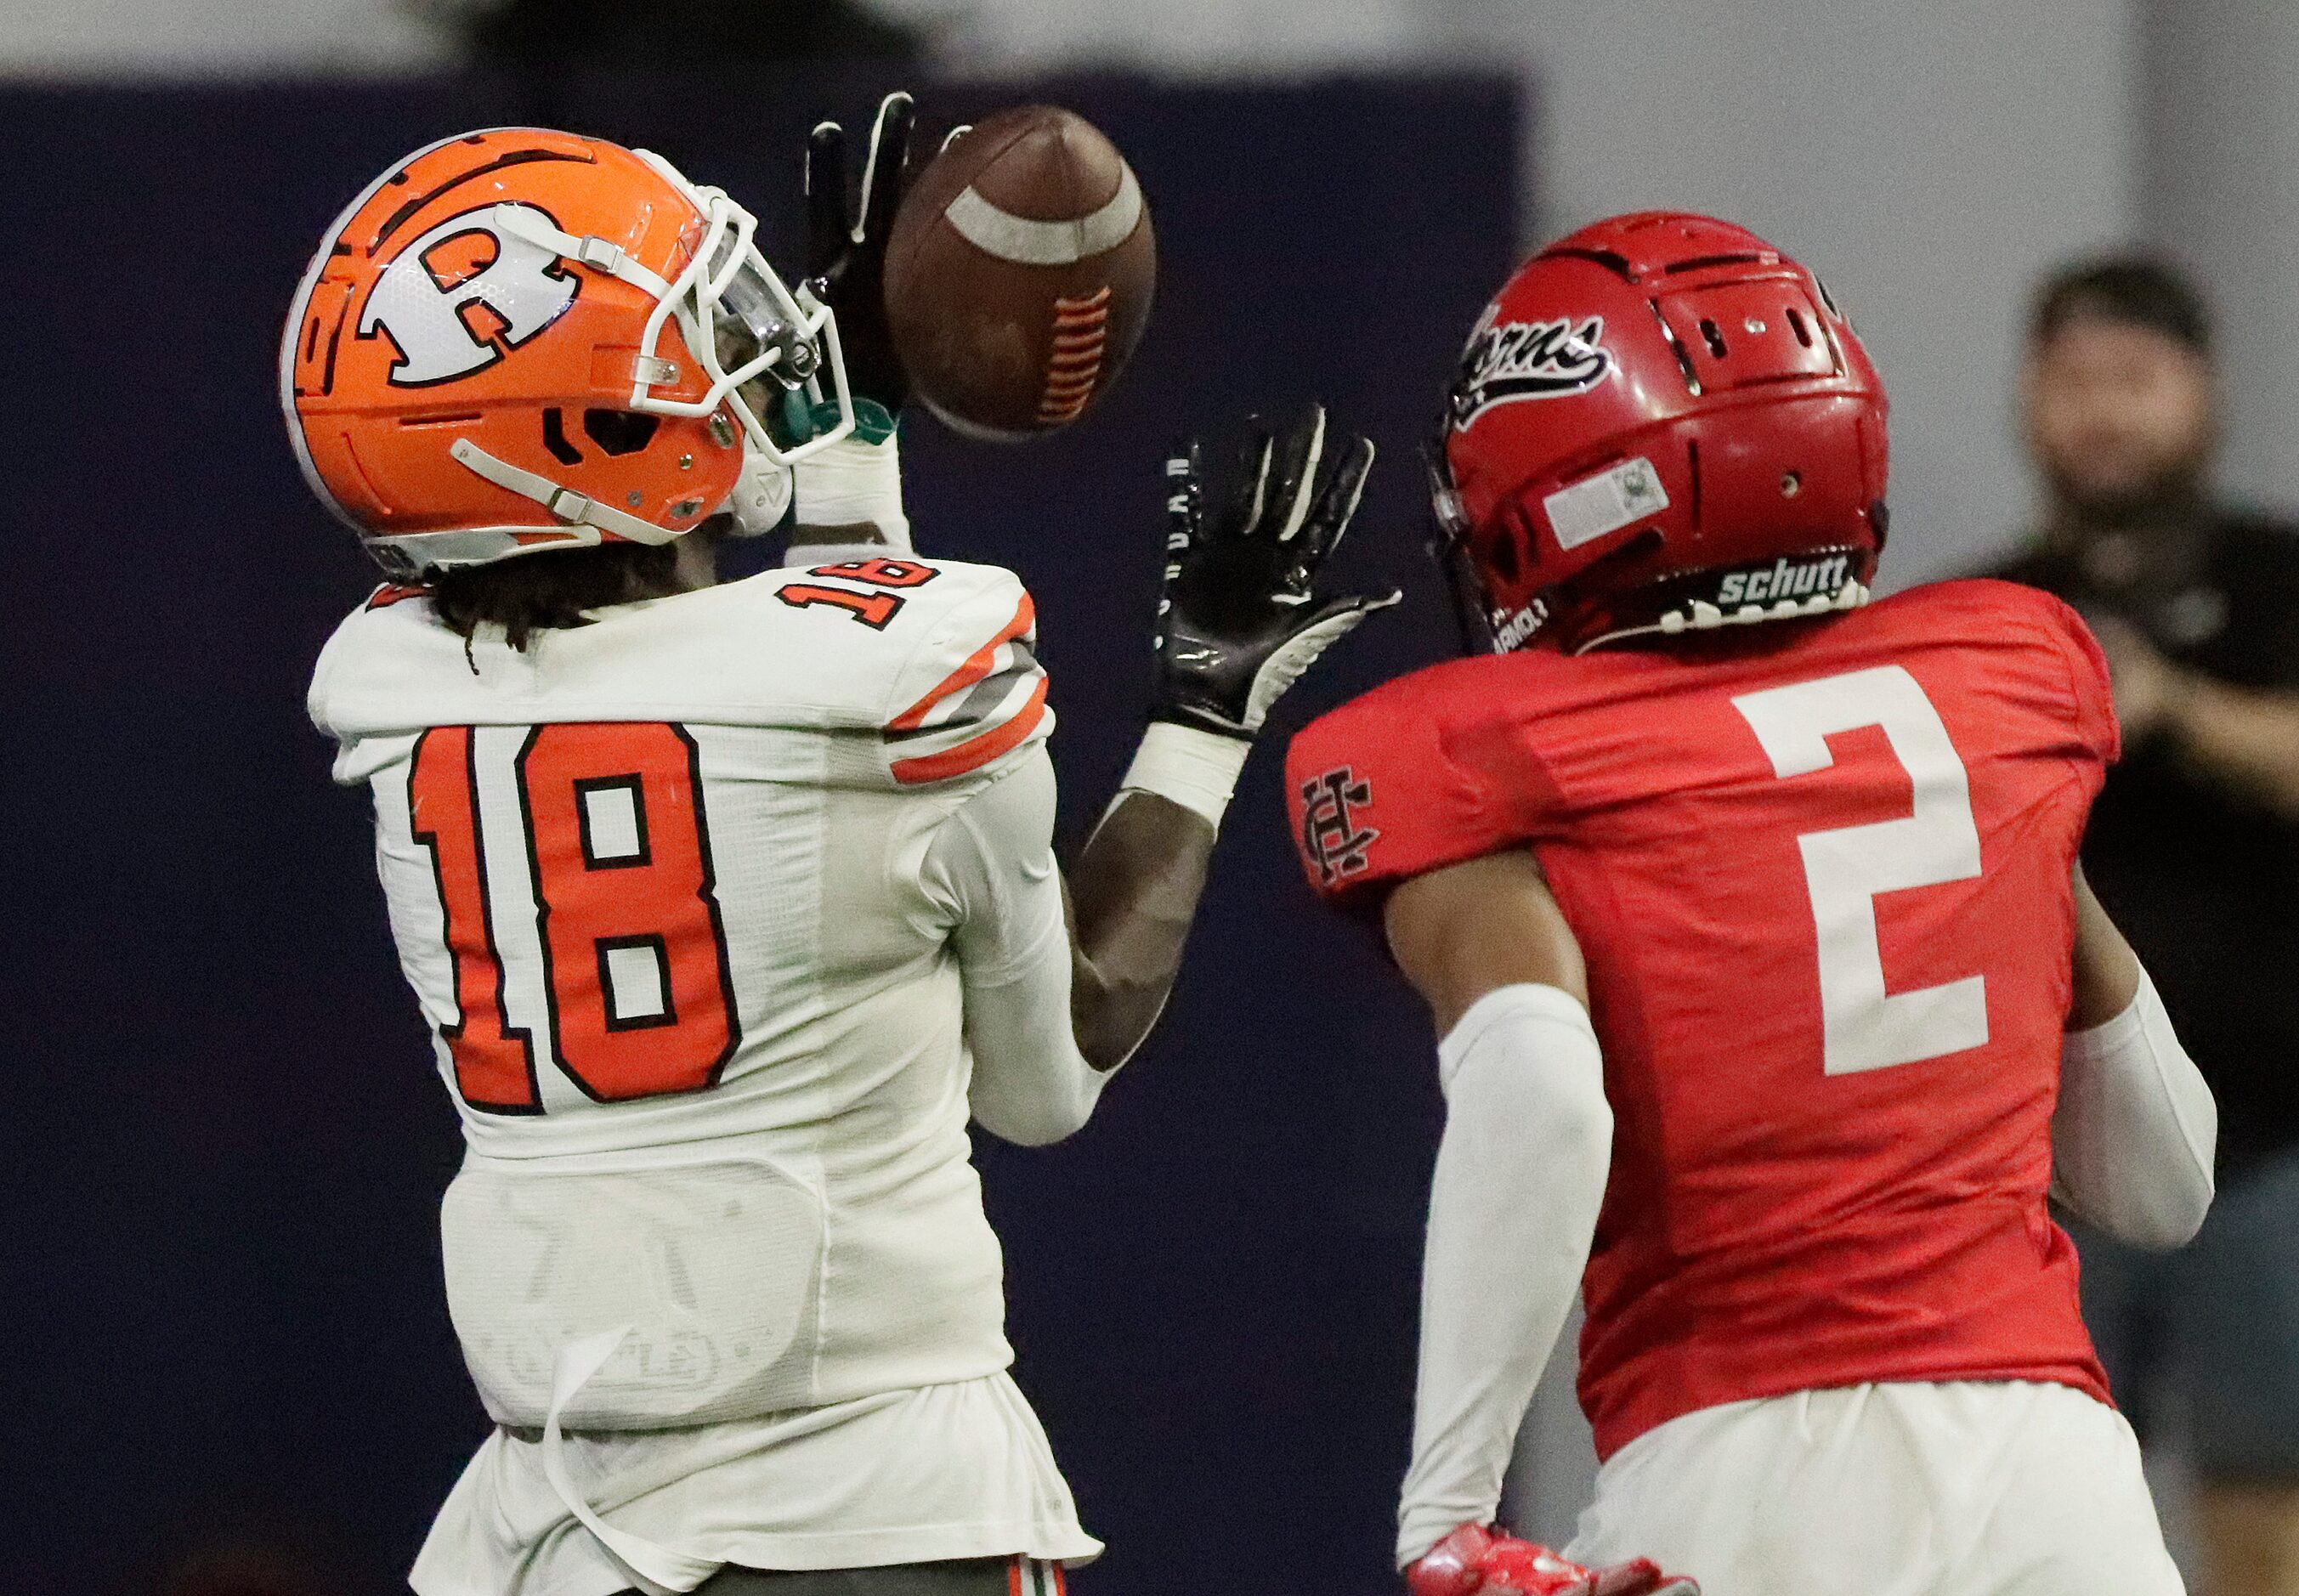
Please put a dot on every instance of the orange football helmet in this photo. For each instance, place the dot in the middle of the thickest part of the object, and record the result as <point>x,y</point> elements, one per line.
<point>520,340</point>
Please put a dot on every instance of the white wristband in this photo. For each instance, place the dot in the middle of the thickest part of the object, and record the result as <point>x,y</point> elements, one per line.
<point>850,482</point>
<point>1196,769</point>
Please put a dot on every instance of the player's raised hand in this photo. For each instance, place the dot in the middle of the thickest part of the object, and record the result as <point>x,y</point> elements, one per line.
<point>1477,1561</point>
<point>1240,619</point>
<point>846,243</point>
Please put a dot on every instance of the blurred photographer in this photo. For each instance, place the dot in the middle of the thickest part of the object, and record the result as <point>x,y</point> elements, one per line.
<point>2193,847</point>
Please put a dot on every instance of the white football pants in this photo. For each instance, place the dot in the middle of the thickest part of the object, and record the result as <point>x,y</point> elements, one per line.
<point>1974,1489</point>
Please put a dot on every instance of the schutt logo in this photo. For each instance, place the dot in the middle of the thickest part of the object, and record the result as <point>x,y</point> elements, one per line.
<point>1331,835</point>
<point>1508,361</point>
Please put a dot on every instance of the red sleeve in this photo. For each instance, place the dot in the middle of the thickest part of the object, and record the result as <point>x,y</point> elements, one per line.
<point>1394,785</point>
<point>2094,700</point>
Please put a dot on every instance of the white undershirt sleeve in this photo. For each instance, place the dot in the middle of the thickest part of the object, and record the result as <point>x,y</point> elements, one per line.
<point>2136,1131</point>
<point>992,862</point>
<point>1519,1176</point>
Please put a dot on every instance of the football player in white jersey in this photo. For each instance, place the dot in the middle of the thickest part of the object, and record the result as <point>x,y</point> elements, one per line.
<point>729,904</point>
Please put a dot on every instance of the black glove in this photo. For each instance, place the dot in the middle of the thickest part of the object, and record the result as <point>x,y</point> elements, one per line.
<point>846,245</point>
<point>1239,622</point>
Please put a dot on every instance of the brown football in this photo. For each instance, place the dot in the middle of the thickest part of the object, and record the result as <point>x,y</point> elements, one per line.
<point>1020,272</point>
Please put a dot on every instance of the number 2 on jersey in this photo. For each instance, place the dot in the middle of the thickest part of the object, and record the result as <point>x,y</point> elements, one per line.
<point>1863,1026</point>
<point>634,955</point>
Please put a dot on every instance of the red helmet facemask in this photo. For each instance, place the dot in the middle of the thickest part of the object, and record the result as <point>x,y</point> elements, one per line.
<point>1661,425</point>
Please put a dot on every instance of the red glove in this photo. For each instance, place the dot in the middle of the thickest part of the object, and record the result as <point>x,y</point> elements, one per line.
<point>1477,1561</point>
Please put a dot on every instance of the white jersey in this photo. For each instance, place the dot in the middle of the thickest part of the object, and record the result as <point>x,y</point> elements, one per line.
<point>661,885</point>
<point>656,884</point>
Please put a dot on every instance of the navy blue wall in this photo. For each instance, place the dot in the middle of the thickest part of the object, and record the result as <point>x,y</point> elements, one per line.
<point>220,1310</point>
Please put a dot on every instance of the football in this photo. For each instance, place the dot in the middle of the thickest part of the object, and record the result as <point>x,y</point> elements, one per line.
<point>1020,274</point>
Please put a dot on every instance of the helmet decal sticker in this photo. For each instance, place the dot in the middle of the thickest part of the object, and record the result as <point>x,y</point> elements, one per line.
<point>465,292</point>
<point>1598,506</point>
<point>1509,361</point>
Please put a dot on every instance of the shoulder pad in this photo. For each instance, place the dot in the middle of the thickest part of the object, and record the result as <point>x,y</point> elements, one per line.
<point>971,692</point>
<point>2013,612</point>
<point>1411,778</point>
<point>929,662</point>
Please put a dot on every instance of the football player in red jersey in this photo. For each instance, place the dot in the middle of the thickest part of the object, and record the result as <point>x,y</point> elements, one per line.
<point>1773,1007</point>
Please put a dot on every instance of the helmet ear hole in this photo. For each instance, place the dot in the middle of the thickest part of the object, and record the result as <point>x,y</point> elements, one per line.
<point>1644,546</point>
<point>620,431</point>
<point>1507,566</point>
<point>554,438</point>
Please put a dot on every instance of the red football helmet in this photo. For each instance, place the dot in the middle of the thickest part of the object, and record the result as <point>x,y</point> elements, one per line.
<point>520,340</point>
<point>1662,424</point>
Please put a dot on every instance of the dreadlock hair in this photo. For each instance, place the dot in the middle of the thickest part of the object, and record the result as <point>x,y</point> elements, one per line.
<point>550,591</point>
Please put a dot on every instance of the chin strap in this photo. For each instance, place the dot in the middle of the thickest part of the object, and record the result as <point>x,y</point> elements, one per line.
<point>569,506</point>
<point>522,221</point>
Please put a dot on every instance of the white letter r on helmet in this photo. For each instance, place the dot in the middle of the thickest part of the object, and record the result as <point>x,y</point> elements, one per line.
<point>421,300</point>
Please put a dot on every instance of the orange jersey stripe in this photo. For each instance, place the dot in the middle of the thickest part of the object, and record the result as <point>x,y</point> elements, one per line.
<point>396,593</point>
<point>976,667</point>
<point>976,751</point>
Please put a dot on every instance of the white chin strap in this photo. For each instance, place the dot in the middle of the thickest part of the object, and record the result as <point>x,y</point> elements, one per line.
<point>524,221</point>
<point>762,497</point>
<point>573,508</point>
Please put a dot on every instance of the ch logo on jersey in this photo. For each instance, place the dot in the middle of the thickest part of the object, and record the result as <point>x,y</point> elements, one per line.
<point>1331,835</point>
<point>1509,361</point>
<point>464,295</point>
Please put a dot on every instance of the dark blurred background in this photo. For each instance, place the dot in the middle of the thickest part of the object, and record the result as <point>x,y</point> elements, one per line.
<point>224,1345</point>
<point>226,1326</point>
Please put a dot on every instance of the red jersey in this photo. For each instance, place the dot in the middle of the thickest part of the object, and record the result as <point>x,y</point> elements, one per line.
<point>1821,880</point>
